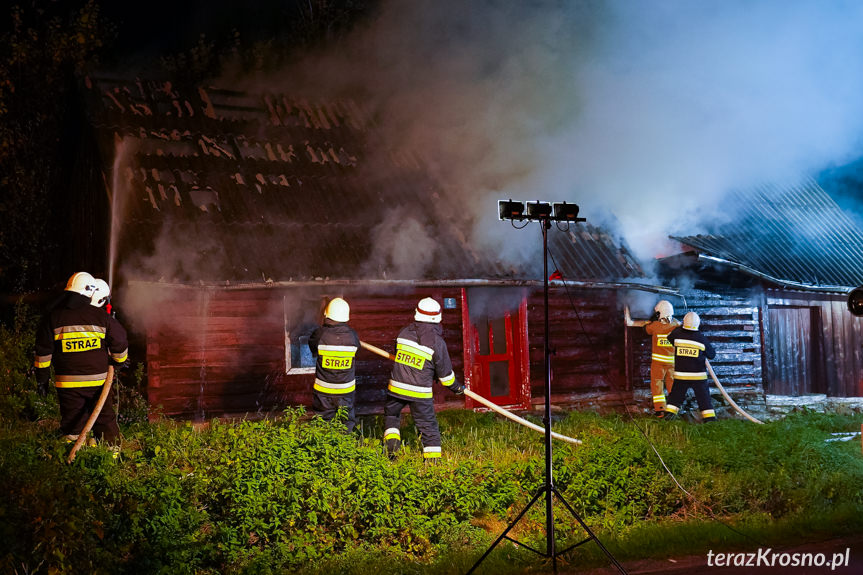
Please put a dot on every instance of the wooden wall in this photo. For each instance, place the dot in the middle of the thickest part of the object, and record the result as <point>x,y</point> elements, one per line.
<point>587,341</point>
<point>222,352</point>
<point>778,342</point>
<point>732,322</point>
<point>213,352</point>
<point>813,345</point>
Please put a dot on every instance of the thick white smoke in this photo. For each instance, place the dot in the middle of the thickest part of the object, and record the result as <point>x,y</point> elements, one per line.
<point>647,111</point>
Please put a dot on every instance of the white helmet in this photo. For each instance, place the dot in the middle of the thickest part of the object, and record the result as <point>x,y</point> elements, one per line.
<point>691,321</point>
<point>100,294</point>
<point>665,309</point>
<point>82,283</point>
<point>428,311</point>
<point>338,310</point>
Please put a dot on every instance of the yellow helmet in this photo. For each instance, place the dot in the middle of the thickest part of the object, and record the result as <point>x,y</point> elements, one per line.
<point>82,283</point>
<point>338,310</point>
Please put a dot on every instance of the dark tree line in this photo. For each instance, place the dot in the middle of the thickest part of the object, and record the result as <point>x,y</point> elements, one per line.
<point>46,46</point>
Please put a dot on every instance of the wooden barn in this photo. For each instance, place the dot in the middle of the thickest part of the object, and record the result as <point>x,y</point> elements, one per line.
<point>772,289</point>
<point>238,215</point>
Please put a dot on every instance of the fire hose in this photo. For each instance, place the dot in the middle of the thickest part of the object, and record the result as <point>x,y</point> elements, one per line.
<point>82,437</point>
<point>727,397</point>
<point>629,322</point>
<point>480,399</point>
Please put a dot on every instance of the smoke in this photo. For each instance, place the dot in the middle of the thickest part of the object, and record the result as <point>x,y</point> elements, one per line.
<point>402,247</point>
<point>645,111</point>
<point>493,303</point>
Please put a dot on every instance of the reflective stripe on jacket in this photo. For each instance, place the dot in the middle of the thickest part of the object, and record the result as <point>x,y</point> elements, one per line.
<point>691,348</point>
<point>80,341</point>
<point>661,349</point>
<point>335,344</point>
<point>421,357</point>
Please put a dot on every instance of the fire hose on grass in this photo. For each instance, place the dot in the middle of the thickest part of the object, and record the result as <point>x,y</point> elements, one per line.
<point>479,399</point>
<point>727,397</point>
<point>630,323</point>
<point>82,437</point>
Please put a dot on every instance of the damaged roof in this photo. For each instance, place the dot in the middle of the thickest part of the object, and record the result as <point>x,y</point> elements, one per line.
<point>217,185</point>
<point>792,235</point>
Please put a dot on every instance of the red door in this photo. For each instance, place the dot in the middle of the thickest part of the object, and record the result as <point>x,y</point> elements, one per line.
<point>495,342</point>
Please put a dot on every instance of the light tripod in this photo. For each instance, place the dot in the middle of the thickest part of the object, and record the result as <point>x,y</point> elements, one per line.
<point>542,212</point>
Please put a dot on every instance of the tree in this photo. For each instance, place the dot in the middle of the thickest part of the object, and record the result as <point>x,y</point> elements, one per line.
<point>45,44</point>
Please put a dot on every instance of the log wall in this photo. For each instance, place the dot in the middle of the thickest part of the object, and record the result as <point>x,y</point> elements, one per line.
<point>222,352</point>
<point>732,322</point>
<point>587,341</point>
<point>814,345</point>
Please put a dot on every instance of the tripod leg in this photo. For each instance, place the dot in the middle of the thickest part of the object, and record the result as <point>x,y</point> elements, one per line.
<point>508,529</point>
<point>589,532</point>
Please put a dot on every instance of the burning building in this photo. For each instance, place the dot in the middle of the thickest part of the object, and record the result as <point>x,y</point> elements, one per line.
<point>237,215</point>
<point>772,286</point>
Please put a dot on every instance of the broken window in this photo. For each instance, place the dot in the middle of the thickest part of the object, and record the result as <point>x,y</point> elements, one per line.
<point>302,316</point>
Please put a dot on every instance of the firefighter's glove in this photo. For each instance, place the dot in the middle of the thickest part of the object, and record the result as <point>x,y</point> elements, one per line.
<point>457,388</point>
<point>655,316</point>
<point>43,376</point>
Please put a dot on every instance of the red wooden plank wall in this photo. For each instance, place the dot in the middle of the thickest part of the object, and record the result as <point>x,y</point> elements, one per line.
<point>222,352</point>
<point>587,341</point>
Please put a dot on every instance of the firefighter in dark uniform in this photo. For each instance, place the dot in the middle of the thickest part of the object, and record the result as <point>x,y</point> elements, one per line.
<point>691,348</point>
<point>421,357</point>
<point>335,344</point>
<point>80,339</point>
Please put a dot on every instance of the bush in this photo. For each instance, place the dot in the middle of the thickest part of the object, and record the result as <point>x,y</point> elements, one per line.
<point>296,494</point>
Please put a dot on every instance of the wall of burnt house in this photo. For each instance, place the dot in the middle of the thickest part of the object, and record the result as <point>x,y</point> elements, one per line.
<point>732,319</point>
<point>586,340</point>
<point>770,342</point>
<point>814,345</point>
<point>223,352</point>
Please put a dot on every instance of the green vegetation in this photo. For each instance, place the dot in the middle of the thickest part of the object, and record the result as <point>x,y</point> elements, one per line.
<point>294,494</point>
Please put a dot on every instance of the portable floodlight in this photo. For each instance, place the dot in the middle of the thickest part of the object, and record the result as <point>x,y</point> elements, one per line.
<point>538,210</point>
<point>546,215</point>
<point>510,210</point>
<point>564,212</point>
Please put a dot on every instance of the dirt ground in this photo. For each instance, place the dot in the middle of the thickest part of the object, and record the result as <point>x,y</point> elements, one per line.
<point>850,547</point>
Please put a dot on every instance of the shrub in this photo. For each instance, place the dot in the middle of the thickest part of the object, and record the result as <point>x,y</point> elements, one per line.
<point>298,494</point>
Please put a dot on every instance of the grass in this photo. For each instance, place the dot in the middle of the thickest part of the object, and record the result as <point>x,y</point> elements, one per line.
<point>247,496</point>
<point>296,495</point>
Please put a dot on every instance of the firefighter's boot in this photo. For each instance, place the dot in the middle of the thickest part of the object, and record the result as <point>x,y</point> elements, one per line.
<point>393,441</point>
<point>393,446</point>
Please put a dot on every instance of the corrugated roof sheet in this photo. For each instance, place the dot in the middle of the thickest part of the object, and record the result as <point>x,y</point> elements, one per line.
<point>586,252</point>
<point>222,185</point>
<point>793,233</point>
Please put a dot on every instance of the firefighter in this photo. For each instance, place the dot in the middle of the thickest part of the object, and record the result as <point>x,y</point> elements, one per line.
<point>662,353</point>
<point>421,357</point>
<point>80,340</point>
<point>691,348</point>
<point>335,344</point>
<point>101,294</point>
